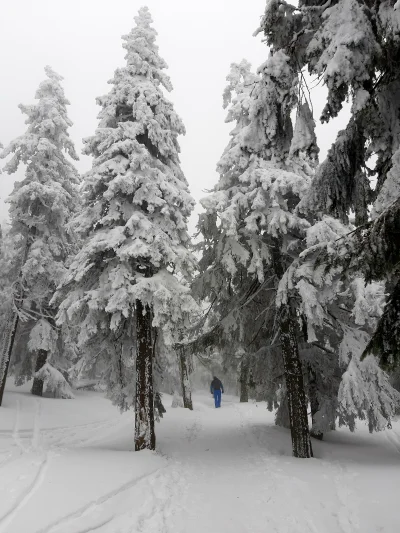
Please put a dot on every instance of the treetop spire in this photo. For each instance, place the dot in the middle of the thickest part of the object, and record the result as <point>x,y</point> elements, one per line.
<point>142,51</point>
<point>48,125</point>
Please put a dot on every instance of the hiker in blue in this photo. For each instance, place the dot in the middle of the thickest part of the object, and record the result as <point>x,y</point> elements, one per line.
<point>216,388</point>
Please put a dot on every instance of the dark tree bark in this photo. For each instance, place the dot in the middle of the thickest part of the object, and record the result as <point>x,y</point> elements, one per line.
<point>314,402</point>
<point>37,387</point>
<point>10,330</point>
<point>244,379</point>
<point>185,383</point>
<point>296,397</point>
<point>8,343</point>
<point>297,403</point>
<point>144,402</point>
<point>158,405</point>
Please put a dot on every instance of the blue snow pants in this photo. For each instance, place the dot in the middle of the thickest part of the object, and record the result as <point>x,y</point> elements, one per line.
<point>217,397</point>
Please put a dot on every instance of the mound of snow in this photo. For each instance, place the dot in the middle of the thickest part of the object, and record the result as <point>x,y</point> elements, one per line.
<point>54,382</point>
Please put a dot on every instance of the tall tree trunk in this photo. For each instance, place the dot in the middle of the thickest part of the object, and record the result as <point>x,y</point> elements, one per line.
<point>144,403</point>
<point>244,379</point>
<point>37,387</point>
<point>185,382</point>
<point>297,403</point>
<point>314,402</point>
<point>9,334</point>
<point>10,329</point>
<point>301,443</point>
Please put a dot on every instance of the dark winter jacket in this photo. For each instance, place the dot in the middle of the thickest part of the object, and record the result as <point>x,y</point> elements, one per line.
<point>216,384</point>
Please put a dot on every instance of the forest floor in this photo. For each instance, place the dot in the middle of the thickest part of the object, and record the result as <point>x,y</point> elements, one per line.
<point>67,466</point>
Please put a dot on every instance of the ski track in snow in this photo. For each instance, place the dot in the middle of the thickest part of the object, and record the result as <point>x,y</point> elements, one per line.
<point>27,494</point>
<point>165,490</point>
<point>68,520</point>
<point>65,438</point>
<point>43,443</point>
<point>262,488</point>
<point>43,464</point>
<point>95,527</point>
<point>159,491</point>
<point>15,433</point>
<point>56,429</point>
<point>60,437</point>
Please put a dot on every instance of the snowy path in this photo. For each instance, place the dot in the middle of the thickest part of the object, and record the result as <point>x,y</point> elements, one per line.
<point>68,467</point>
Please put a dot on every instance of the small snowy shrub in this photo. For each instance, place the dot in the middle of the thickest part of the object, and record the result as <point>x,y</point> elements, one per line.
<point>177,400</point>
<point>54,381</point>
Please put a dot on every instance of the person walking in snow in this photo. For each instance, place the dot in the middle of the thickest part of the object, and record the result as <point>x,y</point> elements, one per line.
<point>216,388</point>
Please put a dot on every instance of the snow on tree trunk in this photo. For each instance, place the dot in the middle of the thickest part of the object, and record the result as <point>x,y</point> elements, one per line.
<point>43,340</point>
<point>185,382</point>
<point>7,346</point>
<point>55,382</point>
<point>244,380</point>
<point>37,387</point>
<point>301,444</point>
<point>314,402</point>
<point>296,397</point>
<point>176,400</point>
<point>10,329</point>
<point>144,403</point>
<point>282,413</point>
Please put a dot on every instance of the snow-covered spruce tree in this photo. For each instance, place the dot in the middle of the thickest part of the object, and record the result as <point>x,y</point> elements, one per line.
<point>14,331</point>
<point>40,207</point>
<point>349,45</point>
<point>375,251</point>
<point>8,331</point>
<point>261,182</point>
<point>341,312</point>
<point>373,130</point>
<point>225,282</point>
<point>371,250</point>
<point>288,159</point>
<point>129,277</point>
<point>22,362</point>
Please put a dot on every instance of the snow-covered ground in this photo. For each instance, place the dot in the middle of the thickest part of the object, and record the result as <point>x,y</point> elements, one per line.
<point>67,466</point>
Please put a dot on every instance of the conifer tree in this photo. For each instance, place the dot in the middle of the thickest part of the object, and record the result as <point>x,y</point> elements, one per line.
<point>341,312</point>
<point>128,280</point>
<point>260,185</point>
<point>40,207</point>
<point>232,291</point>
<point>348,45</point>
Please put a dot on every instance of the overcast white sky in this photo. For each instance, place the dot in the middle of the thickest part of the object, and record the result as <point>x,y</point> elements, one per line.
<point>81,40</point>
